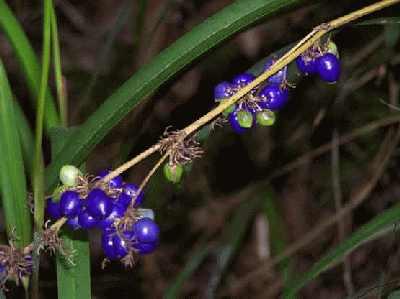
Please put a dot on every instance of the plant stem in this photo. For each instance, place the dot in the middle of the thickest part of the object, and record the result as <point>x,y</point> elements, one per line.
<point>287,58</point>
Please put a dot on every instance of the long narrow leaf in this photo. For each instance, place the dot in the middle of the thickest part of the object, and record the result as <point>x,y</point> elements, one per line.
<point>149,78</point>
<point>28,60</point>
<point>369,231</point>
<point>12,173</point>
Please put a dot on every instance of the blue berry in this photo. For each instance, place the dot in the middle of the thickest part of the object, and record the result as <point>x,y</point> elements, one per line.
<point>223,90</point>
<point>145,248</point>
<point>86,221</point>
<point>273,97</point>
<point>131,190</point>
<point>70,204</point>
<point>117,212</point>
<point>73,223</point>
<point>146,230</point>
<point>279,76</point>
<point>234,122</point>
<point>306,65</point>
<point>114,183</point>
<point>242,80</point>
<point>328,67</point>
<point>99,205</point>
<point>113,246</point>
<point>53,209</point>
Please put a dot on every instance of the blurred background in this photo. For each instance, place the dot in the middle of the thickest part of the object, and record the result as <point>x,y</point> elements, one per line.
<point>284,194</point>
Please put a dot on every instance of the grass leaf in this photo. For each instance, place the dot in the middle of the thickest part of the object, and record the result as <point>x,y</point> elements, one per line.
<point>12,173</point>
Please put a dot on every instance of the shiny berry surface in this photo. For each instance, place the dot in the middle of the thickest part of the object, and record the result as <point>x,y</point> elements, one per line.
<point>117,212</point>
<point>86,221</point>
<point>70,204</point>
<point>223,90</point>
<point>242,80</point>
<point>53,209</point>
<point>114,183</point>
<point>328,67</point>
<point>98,204</point>
<point>273,97</point>
<point>73,223</point>
<point>131,190</point>
<point>279,76</point>
<point>113,246</point>
<point>146,230</point>
<point>305,65</point>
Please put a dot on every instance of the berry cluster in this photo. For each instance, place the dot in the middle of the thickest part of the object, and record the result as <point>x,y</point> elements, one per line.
<point>93,204</point>
<point>260,105</point>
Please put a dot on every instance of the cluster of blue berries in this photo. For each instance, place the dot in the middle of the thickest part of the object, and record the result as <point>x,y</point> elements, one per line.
<point>260,105</point>
<point>324,62</point>
<point>99,206</point>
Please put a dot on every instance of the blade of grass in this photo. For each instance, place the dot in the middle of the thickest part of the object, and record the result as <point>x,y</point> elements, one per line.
<point>61,93</point>
<point>191,266</point>
<point>12,173</point>
<point>28,61</point>
<point>232,238</point>
<point>73,279</point>
<point>375,228</point>
<point>150,77</point>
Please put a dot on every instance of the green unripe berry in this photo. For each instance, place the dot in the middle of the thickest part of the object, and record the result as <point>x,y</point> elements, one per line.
<point>266,118</point>
<point>332,48</point>
<point>69,175</point>
<point>173,173</point>
<point>228,110</point>
<point>245,118</point>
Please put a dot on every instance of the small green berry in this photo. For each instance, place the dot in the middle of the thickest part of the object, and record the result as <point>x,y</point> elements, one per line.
<point>332,48</point>
<point>69,175</point>
<point>228,110</point>
<point>266,118</point>
<point>173,173</point>
<point>245,118</point>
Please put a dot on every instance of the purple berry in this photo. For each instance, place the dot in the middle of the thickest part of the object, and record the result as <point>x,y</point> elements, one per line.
<point>145,248</point>
<point>99,205</point>
<point>70,204</point>
<point>223,90</point>
<point>242,80</point>
<point>117,212</point>
<point>113,246</point>
<point>114,183</point>
<point>146,230</point>
<point>273,97</point>
<point>131,190</point>
<point>279,76</point>
<point>73,223</point>
<point>53,209</point>
<point>328,67</point>
<point>86,221</point>
<point>306,65</point>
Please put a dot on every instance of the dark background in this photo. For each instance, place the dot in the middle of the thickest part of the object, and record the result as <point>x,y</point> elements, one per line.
<point>104,42</point>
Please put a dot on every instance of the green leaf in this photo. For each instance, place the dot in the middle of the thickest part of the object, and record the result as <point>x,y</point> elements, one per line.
<point>191,266</point>
<point>379,21</point>
<point>378,226</point>
<point>28,61</point>
<point>73,279</point>
<point>149,78</point>
<point>232,238</point>
<point>12,173</point>
<point>394,295</point>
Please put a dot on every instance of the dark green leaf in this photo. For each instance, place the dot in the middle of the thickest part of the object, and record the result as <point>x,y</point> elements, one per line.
<point>12,173</point>
<point>149,78</point>
<point>379,21</point>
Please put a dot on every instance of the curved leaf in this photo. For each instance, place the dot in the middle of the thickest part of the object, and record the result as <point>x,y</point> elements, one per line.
<point>199,40</point>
